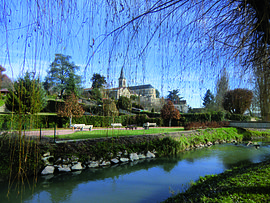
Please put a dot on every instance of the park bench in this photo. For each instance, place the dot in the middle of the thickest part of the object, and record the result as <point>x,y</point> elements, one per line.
<point>116,125</point>
<point>82,126</point>
<point>147,125</point>
<point>131,127</point>
<point>90,127</point>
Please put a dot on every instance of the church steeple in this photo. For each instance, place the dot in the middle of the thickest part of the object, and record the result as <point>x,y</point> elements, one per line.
<point>122,79</point>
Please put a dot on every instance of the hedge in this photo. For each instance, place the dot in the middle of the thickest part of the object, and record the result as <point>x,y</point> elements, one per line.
<point>237,117</point>
<point>10,121</point>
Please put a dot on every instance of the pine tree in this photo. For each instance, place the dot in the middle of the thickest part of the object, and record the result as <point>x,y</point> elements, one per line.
<point>26,96</point>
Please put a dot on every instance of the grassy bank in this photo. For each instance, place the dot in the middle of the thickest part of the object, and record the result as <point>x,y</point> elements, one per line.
<point>246,183</point>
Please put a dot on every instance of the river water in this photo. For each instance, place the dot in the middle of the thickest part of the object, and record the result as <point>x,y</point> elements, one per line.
<point>144,181</point>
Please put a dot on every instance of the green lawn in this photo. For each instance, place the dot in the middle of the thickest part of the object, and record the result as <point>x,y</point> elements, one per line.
<point>116,132</point>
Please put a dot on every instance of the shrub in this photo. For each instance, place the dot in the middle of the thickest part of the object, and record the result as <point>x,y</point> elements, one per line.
<point>203,125</point>
<point>237,117</point>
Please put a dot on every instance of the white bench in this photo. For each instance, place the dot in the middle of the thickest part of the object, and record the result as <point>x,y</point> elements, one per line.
<point>147,125</point>
<point>87,127</point>
<point>82,126</point>
<point>116,125</point>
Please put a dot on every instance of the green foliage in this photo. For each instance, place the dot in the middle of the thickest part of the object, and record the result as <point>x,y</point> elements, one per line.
<point>124,103</point>
<point>18,159</point>
<point>208,99</point>
<point>52,105</point>
<point>29,122</point>
<point>237,101</point>
<point>238,117</point>
<point>202,117</point>
<point>96,95</point>
<point>27,95</point>
<point>174,96</point>
<point>97,80</point>
<point>222,86</point>
<point>109,108</point>
<point>2,102</point>
<point>136,105</point>
<point>157,94</point>
<point>62,76</point>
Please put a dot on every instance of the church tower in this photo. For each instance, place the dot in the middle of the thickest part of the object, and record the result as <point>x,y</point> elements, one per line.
<point>122,79</point>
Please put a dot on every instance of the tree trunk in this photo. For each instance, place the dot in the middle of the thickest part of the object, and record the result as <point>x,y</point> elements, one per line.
<point>170,122</point>
<point>70,121</point>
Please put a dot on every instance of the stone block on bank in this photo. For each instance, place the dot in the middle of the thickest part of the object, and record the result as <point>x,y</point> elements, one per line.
<point>124,160</point>
<point>64,168</point>
<point>133,157</point>
<point>105,163</point>
<point>115,161</point>
<point>47,160</point>
<point>141,156</point>
<point>150,155</point>
<point>46,154</point>
<point>48,170</point>
<point>93,164</point>
<point>77,167</point>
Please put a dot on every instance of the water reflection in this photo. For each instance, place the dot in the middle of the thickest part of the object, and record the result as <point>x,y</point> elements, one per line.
<point>150,180</point>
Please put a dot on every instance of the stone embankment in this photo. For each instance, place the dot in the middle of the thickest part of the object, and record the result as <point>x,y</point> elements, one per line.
<point>73,164</point>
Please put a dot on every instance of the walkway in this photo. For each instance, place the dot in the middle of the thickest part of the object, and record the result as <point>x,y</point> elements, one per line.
<point>66,131</point>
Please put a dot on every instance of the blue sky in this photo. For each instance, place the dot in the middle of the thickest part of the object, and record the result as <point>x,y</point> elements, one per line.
<point>167,59</point>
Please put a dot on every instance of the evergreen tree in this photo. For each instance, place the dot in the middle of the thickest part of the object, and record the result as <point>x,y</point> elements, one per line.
<point>62,76</point>
<point>208,99</point>
<point>157,94</point>
<point>222,87</point>
<point>26,96</point>
<point>174,96</point>
<point>97,80</point>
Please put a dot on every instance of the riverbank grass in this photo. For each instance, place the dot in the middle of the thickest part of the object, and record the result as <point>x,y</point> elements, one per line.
<point>246,183</point>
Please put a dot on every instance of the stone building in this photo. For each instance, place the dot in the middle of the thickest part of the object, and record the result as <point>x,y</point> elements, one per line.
<point>147,91</point>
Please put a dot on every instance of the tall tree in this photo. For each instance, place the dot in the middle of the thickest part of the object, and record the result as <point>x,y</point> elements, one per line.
<point>157,94</point>
<point>222,87</point>
<point>237,101</point>
<point>109,108</point>
<point>98,80</point>
<point>62,76</point>
<point>71,108</point>
<point>169,112</point>
<point>124,103</point>
<point>208,99</point>
<point>174,96</point>
<point>96,95</point>
<point>26,96</point>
